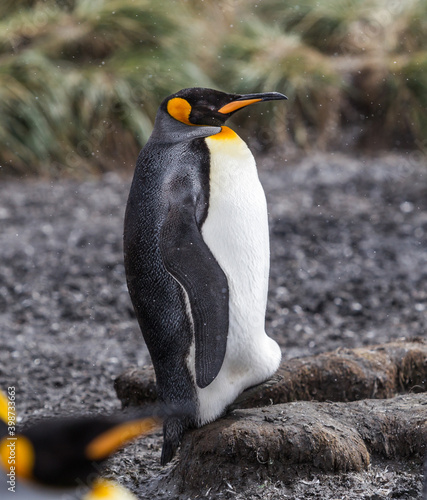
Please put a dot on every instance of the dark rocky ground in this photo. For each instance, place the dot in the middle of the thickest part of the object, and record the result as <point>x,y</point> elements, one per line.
<point>349,269</point>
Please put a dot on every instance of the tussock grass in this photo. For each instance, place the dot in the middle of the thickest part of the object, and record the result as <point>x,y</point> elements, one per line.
<point>80,80</point>
<point>80,83</point>
<point>261,58</point>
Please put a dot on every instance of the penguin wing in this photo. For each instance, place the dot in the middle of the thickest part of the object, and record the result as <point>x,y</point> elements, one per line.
<point>189,260</point>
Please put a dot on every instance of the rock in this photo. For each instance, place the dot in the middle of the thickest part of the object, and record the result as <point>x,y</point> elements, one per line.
<point>136,386</point>
<point>280,441</point>
<point>328,413</point>
<point>378,372</point>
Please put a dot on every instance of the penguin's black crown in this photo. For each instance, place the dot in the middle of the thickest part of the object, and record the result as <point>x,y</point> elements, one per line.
<point>200,106</point>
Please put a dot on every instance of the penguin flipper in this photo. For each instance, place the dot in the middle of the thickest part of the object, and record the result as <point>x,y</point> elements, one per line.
<point>188,259</point>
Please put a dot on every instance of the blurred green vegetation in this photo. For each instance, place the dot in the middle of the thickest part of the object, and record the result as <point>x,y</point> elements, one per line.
<point>80,80</point>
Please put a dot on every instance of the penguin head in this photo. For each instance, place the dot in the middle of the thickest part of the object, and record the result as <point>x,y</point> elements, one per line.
<point>208,107</point>
<point>64,451</point>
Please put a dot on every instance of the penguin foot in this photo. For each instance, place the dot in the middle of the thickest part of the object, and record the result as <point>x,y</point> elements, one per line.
<point>173,431</point>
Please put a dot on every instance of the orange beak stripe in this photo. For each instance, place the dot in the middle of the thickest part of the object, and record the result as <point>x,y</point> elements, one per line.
<point>108,442</point>
<point>235,105</point>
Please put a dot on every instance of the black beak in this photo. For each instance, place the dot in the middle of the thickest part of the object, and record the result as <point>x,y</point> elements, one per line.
<point>265,96</point>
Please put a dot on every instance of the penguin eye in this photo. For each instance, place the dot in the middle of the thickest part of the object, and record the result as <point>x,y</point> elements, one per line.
<point>206,114</point>
<point>202,113</point>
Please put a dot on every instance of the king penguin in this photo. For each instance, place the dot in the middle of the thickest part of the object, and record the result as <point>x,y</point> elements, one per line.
<point>196,253</point>
<point>61,458</point>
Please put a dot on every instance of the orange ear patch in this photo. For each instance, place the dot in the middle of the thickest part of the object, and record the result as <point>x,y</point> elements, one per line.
<point>180,109</point>
<point>4,410</point>
<point>25,457</point>
<point>20,452</point>
<point>235,105</point>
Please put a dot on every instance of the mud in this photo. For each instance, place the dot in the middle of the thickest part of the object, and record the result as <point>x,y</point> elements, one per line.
<point>348,270</point>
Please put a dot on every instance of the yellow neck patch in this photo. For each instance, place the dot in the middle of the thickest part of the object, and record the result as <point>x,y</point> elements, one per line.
<point>18,452</point>
<point>180,109</point>
<point>107,490</point>
<point>4,454</point>
<point>108,442</point>
<point>226,134</point>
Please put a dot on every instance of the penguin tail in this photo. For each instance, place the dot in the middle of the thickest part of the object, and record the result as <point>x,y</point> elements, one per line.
<point>173,431</point>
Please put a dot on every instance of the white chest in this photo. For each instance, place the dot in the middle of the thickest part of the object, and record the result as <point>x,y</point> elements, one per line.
<point>236,228</point>
<point>236,232</point>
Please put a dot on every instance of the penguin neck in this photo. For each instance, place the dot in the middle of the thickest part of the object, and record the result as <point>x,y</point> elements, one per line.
<point>168,130</point>
<point>227,142</point>
<point>226,134</point>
